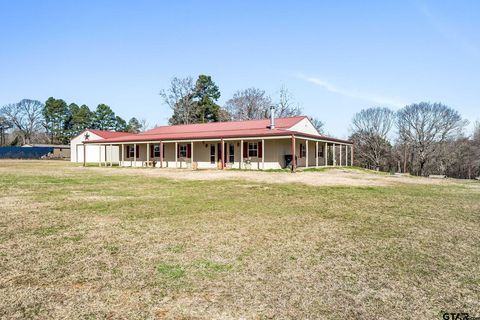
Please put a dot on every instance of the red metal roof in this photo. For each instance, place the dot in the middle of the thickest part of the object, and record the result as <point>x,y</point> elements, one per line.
<point>217,130</point>
<point>108,134</point>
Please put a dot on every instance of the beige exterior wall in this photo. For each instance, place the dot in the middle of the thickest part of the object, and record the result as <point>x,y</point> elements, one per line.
<point>94,153</point>
<point>274,154</point>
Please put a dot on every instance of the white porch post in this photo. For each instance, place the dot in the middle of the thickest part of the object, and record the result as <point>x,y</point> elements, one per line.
<point>316,155</point>
<point>325,154</point>
<point>105,154</point>
<point>306,153</point>
<point>334,156</point>
<point>148,153</point>
<point>123,154</point>
<point>191,154</point>
<point>263,154</point>
<point>341,150</point>
<point>241,154</point>
<point>176,154</point>
<point>351,155</point>
<point>135,154</point>
<point>111,155</point>
<point>346,155</point>
<point>99,155</point>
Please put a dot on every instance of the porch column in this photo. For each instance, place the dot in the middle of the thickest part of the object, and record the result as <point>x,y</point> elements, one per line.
<point>334,156</point>
<point>222,154</point>
<point>105,151</point>
<point>351,155</point>
<point>346,155</point>
<point>341,150</point>
<point>161,154</point>
<point>123,155</point>
<point>135,154</point>
<point>263,154</point>
<point>241,154</point>
<point>294,164</point>
<point>325,154</point>
<point>306,153</point>
<point>99,155</point>
<point>191,154</point>
<point>176,154</point>
<point>316,155</point>
<point>111,155</point>
<point>84,155</point>
<point>148,153</point>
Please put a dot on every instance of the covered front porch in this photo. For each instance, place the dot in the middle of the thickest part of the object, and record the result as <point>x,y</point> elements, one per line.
<point>256,153</point>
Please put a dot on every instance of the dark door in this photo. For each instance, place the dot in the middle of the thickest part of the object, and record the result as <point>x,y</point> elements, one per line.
<point>231,153</point>
<point>212,154</point>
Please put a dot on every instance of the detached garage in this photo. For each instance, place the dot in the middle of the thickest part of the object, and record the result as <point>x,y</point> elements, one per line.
<point>95,153</point>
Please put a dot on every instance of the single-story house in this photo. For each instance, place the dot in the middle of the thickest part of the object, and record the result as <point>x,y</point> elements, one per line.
<point>273,143</point>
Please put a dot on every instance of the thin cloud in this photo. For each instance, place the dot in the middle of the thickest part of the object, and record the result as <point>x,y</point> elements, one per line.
<point>354,93</point>
<point>447,30</point>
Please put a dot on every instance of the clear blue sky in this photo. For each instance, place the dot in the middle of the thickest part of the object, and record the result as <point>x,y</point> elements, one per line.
<point>335,57</point>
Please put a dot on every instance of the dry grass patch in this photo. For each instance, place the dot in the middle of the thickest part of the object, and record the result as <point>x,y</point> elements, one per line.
<point>84,243</point>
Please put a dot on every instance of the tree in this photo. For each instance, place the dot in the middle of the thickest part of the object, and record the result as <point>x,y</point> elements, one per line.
<point>424,126</point>
<point>134,125</point>
<point>370,135</point>
<point>82,118</point>
<point>120,124</point>
<point>4,126</point>
<point>179,97</point>
<point>26,117</point>
<point>318,124</point>
<point>248,104</point>
<point>104,118</point>
<point>286,106</point>
<point>56,115</point>
<point>205,94</point>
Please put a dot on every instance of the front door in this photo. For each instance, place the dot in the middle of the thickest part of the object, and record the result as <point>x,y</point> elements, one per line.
<point>212,153</point>
<point>231,153</point>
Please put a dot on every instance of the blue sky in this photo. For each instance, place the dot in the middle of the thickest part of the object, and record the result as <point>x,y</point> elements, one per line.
<point>336,57</point>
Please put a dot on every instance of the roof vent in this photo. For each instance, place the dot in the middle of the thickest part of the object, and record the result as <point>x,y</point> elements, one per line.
<point>272,117</point>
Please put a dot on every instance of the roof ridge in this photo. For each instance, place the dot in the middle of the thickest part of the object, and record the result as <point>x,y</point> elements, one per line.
<point>235,121</point>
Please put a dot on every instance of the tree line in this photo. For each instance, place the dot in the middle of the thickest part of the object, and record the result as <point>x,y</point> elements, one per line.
<point>196,102</point>
<point>421,139</point>
<point>56,122</point>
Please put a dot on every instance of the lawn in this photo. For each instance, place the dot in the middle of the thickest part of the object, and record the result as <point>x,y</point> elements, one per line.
<point>78,243</point>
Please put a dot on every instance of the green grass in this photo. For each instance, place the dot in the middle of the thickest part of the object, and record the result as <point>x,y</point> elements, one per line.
<point>85,243</point>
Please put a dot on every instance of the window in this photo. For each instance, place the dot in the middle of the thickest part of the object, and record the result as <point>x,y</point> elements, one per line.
<point>156,151</point>
<point>252,149</point>
<point>320,152</point>
<point>303,151</point>
<point>182,153</point>
<point>212,153</point>
<point>131,151</point>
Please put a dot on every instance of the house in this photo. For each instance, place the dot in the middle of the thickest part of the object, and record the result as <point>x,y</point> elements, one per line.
<point>254,144</point>
<point>95,152</point>
<point>58,151</point>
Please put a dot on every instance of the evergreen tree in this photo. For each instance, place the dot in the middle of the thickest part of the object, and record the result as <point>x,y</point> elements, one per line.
<point>56,115</point>
<point>134,125</point>
<point>104,118</point>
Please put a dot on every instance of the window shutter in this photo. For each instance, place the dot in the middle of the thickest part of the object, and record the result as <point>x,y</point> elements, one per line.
<point>151,151</point>
<point>178,151</point>
<point>138,151</point>
<point>259,151</point>
<point>245,149</point>
<point>163,150</point>
<point>219,155</point>
<point>301,150</point>
<point>128,151</point>
<point>189,150</point>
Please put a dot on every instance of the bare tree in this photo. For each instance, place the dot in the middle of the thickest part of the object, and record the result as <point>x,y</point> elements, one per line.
<point>286,105</point>
<point>370,134</point>
<point>144,125</point>
<point>248,104</point>
<point>26,117</point>
<point>180,98</point>
<point>318,124</point>
<point>4,126</point>
<point>424,126</point>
